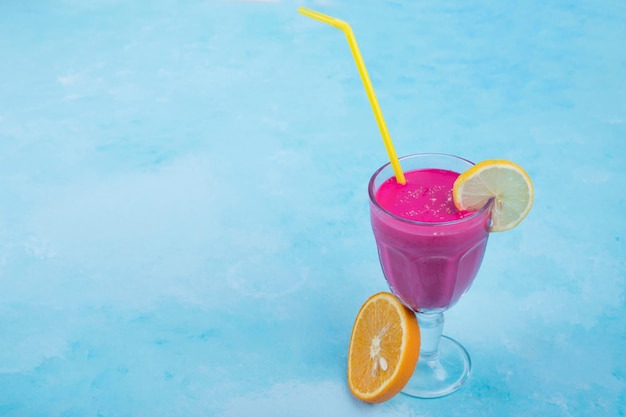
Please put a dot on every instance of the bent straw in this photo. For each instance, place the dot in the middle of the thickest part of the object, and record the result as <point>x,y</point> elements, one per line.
<point>371,95</point>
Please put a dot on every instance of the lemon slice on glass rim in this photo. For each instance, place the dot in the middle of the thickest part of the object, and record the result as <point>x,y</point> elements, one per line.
<point>503,181</point>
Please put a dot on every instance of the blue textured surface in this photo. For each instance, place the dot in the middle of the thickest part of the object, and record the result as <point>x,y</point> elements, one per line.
<point>184,226</point>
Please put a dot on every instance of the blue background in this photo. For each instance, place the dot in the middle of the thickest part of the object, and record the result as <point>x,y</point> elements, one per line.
<point>184,223</point>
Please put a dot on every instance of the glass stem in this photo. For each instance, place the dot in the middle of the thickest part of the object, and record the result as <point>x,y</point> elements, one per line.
<point>431,328</point>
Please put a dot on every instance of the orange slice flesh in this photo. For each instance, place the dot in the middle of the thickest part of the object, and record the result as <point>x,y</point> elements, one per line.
<point>384,348</point>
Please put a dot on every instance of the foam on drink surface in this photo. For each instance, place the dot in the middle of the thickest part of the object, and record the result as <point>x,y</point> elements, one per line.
<point>426,196</point>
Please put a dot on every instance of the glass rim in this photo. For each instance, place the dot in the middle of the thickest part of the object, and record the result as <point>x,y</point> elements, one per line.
<point>373,200</point>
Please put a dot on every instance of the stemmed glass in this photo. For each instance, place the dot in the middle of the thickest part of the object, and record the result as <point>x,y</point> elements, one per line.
<point>429,266</point>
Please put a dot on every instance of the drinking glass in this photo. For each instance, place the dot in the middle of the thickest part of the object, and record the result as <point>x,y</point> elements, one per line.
<point>429,266</point>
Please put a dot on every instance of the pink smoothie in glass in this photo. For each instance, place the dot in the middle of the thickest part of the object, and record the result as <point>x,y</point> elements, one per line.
<point>429,251</point>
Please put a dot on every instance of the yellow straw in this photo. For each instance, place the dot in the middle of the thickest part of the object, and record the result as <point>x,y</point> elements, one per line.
<point>378,114</point>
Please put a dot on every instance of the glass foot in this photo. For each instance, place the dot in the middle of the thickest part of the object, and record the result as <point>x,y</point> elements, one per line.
<point>440,375</point>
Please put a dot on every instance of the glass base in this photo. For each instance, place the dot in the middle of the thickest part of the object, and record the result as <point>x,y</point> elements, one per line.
<point>440,375</point>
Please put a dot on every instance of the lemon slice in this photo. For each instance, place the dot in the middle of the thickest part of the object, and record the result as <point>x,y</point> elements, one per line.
<point>384,348</point>
<point>503,181</point>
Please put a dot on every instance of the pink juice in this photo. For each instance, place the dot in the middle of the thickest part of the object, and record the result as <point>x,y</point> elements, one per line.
<point>429,251</point>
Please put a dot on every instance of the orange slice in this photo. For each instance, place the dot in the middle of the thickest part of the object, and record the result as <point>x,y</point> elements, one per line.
<point>384,348</point>
<point>503,181</point>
